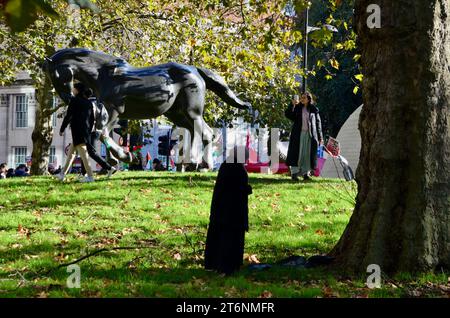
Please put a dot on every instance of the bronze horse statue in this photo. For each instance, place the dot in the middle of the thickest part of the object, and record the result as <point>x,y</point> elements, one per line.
<point>175,90</point>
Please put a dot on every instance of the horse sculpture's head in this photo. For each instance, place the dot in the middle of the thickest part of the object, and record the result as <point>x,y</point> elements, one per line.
<point>77,63</point>
<point>62,76</point>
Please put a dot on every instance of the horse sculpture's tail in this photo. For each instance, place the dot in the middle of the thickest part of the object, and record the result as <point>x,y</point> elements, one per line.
<point>217,84</point>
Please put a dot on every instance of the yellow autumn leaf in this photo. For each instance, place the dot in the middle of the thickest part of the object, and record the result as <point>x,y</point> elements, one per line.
<point>334,63</point>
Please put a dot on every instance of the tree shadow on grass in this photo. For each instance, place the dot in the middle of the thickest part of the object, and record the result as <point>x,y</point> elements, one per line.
<point>175,178</point>
<point>188,282</point>
<point>67,202</point>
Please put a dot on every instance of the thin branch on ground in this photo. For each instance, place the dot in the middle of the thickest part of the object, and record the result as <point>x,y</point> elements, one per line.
<point>95,253</point>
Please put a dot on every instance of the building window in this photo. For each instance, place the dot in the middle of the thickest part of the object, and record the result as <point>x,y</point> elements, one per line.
<point>4,99</point>
<point>20,155</point>
<point>52,155</point>
<point>21,111</point>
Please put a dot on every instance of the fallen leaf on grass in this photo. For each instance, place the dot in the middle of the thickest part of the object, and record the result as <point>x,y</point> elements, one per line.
<point>266,294</point>
<point>126,231</point>
<point>24,231</point>
<point>199,257</point>
<point>63,242</point>
<point>147,242</point>
<point>231,293</point>
<point>198,281</point>
<point>80,235</point>
<point>329,293</point>
<point>28,257</point>
<point>60,257</point>
<point>320,232</point>
<point>415,293</point>
<point>167,191</point>
<point>43,295</point>
<point>106,243</point>
<point>253,259</point>
<point>126,199</point>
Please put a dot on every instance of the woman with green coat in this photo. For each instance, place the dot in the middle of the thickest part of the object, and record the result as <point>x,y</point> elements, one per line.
<point>306,136</point>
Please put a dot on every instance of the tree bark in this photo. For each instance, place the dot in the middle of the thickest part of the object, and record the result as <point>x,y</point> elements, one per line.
<point>401,218</point>
<point>42,135</point>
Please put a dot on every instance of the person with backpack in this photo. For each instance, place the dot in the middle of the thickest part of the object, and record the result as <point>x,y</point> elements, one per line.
<point>98,112</point>
<point>80,117</point>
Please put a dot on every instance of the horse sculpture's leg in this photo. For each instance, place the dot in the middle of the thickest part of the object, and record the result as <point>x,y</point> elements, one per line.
<point>112,148</point>
<point>198,131</point>
<point>187,112</point>
<point>207,138</point>
<point>184,146</point>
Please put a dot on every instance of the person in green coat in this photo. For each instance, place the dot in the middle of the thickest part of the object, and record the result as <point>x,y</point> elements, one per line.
<point>306,136</point>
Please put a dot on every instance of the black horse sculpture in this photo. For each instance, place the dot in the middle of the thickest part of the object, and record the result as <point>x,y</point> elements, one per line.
<point>175,90</point>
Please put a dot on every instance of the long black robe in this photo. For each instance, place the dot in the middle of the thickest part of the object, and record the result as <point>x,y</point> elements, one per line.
<point>228,220</point>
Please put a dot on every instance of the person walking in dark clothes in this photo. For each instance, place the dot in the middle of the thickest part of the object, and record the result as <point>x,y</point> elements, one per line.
<point>79,116</point>
<point>92,140</point>
<point>90,146</point>
<point>306,136</point>
<point>229,219</point>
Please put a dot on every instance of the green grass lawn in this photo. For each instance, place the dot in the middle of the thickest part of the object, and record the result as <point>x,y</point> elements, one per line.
<point>148,232</point>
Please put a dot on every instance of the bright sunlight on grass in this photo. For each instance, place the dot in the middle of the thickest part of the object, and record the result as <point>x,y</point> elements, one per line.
<point>144,234</point>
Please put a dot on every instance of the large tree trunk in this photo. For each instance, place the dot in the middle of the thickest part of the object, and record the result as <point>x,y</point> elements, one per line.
<point>401,220</point>
<point>42,135</point>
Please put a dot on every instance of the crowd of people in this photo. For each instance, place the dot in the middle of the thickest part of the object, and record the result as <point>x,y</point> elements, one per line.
<point>20,171</point>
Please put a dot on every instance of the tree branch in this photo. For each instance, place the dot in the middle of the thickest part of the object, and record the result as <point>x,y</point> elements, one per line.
<point>95,253</point>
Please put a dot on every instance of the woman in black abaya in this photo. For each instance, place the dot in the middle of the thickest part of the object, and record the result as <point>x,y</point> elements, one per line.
<point>229,218</point>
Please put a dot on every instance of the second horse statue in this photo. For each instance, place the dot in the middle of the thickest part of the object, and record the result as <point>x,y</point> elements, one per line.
<point>175,90</point>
